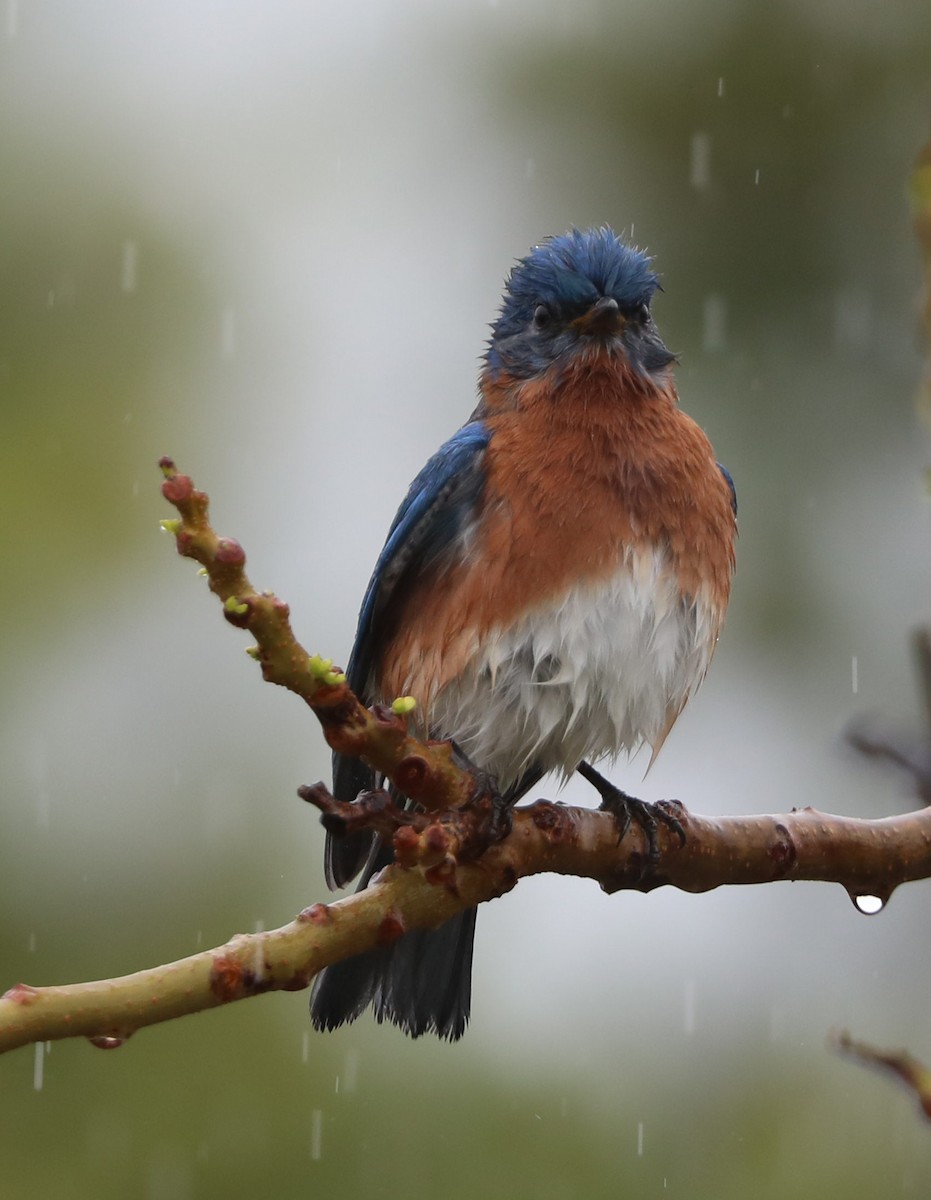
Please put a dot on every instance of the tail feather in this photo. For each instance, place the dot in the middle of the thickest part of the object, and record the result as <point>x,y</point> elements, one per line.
<point>423,982</point>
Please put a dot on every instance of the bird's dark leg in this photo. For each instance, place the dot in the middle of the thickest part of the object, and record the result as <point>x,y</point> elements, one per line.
<point>626,808</point>
<point>500,819</point>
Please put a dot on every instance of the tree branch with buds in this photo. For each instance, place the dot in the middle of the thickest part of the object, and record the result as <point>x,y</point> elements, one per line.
<point>450,854</point>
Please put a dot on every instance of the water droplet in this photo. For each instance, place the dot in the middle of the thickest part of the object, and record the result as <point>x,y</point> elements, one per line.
<point>869,904</point>
<point>106,1042</point>
<point>350,1072</point>
<point>720,85</point>
<point>129,266</point>
<point>38,1066</point>
<point>854,320</point>
<point>689,1007</point>
<point>714,324</point>
<point>640,1139</point>
<point>228,332</point>
<point>316,1133</point>
<point>700,161</point>
<point>855,674</point>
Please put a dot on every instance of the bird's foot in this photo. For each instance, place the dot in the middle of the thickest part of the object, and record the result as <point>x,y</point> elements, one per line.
<point>626,809</point>
<point>495,818</point>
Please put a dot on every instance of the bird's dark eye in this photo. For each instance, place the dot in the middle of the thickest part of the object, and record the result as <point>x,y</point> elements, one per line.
<point>642,313</point>
<point>542,317</point>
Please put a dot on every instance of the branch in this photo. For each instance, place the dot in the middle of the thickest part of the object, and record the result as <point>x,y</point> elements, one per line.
<point>868,858</point>
<point>425,773</point>
<point>450,855</point>
<point>907,1069</point>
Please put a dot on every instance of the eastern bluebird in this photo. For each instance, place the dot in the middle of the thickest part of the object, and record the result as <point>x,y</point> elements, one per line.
<point>551,590</point>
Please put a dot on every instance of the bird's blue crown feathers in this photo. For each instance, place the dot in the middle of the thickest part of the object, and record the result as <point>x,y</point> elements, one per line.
<point>568,274</point>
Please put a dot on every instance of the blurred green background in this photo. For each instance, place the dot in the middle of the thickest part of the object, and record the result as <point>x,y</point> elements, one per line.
<point>267,240</point>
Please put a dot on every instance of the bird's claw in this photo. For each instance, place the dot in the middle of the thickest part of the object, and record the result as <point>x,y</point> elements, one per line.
<point>626,809</point>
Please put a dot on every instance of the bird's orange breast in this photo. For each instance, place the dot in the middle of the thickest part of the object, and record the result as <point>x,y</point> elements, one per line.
<point>583,471</point>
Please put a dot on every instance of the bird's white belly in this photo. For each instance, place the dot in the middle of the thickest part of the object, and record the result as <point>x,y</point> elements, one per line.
<point>604,670</point>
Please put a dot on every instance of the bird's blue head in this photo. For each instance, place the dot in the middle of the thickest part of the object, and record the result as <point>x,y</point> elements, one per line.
<point>570,290</point>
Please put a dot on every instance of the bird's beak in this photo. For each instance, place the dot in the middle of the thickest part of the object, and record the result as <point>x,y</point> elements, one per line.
<point>603,317</point>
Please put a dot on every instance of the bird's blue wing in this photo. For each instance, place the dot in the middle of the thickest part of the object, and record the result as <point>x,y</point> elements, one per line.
<point>730,483</point>
<point>434,517</point>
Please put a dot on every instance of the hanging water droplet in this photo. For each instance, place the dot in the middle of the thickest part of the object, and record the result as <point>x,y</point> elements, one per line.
<point>869,904</point>
<point>106,1042</point>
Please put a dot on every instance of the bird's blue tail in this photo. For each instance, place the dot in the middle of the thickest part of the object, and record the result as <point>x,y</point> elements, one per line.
<point>423,982</point>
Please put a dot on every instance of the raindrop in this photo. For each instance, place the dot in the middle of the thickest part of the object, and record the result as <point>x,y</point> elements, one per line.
<point>316,1133</point>
<point>305,1047</point>
<point>853,320</point>
<point>107,1042</point>
<point>720,86</point>
<point>32,943</point>
<point>689,1007</point>
<point>854,674</point>
<point>869,905</point>
<point>258,956</point>
<point>700,161</point>
<point>714,324</point>
<point>129,267</point>
<point>640,1139</point>
<point>38,1066</point>
<point>756,177</point>
<point>351,1072</point>
<point>228,332</point>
